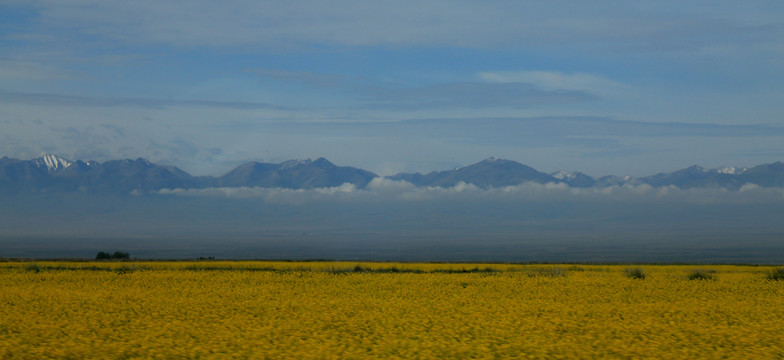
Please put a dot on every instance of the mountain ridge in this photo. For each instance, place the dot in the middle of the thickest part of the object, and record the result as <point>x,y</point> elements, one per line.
<point>53,173</point>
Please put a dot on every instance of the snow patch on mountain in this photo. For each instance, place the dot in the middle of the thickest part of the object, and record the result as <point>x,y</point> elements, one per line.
<point>731,170</point>
<point>563,175</point>
<point>52,162</point>
<point>295,163</point>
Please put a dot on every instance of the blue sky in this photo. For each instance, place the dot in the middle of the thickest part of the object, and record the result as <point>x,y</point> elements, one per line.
<point>604,87</point>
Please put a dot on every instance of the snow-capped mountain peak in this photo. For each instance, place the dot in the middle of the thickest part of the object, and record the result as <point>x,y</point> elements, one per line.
<point>295,163</point>
<point>562,175</point>
<point>731,170</point>
<point>52,162</point>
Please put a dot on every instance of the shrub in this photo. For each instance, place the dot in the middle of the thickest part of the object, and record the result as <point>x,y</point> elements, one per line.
<point>34,268</point>
<point>124,270</point>
<point>119,255</point>
<point>702,275</point>
<point>547,272</point>
<point>635,273</point>
<point>776,274</point>
<point>486,270</point>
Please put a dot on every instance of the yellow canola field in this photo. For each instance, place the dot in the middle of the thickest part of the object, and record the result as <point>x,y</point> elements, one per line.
<point>330,310</point>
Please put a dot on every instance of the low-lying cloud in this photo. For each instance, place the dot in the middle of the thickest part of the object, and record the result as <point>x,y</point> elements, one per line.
<point>386,190</point>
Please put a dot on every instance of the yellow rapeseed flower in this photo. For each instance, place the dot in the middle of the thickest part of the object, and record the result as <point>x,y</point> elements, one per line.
<point>349,310</point>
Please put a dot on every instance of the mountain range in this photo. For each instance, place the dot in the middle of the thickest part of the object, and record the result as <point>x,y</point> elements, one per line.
<point>52,173</point>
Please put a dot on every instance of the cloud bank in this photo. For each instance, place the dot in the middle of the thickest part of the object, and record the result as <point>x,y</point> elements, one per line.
<point>382,190</point>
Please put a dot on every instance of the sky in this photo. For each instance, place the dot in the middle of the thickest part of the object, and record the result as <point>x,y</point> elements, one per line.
<point>603,87</point>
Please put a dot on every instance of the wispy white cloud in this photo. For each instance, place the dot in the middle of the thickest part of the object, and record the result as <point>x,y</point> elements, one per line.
<point>471,95</point>
<point>16,69</point>
<point>96,101</point>
<point>303,77</point>
<point>555,80</point>
<point>513,90</point>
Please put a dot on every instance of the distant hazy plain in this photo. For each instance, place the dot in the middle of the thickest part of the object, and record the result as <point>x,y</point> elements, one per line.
<point>457,228</point>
